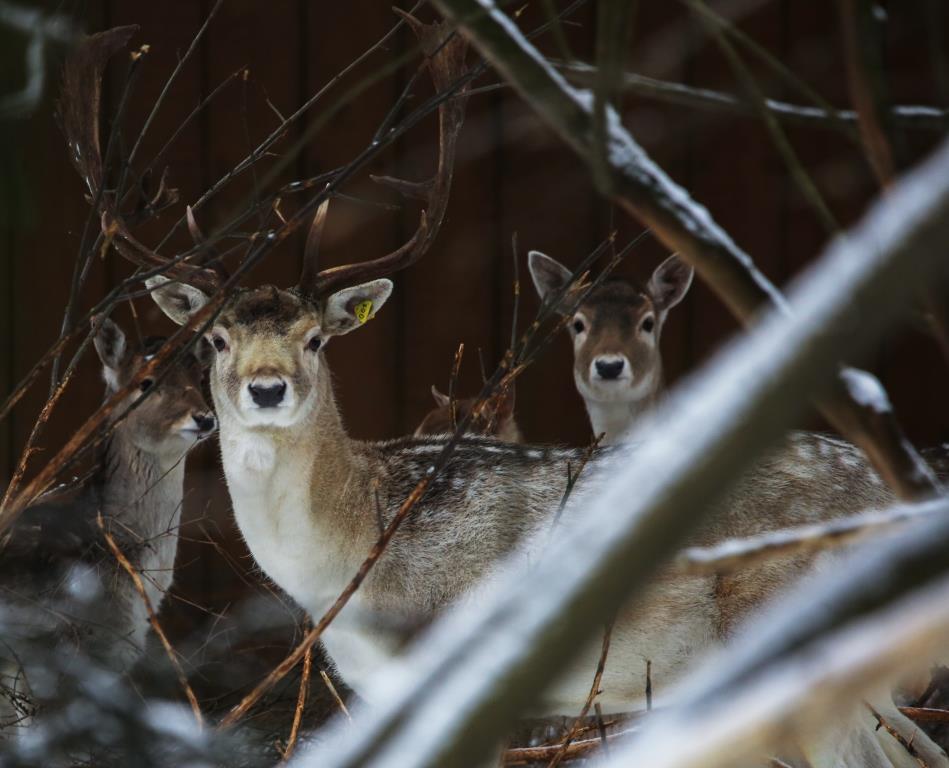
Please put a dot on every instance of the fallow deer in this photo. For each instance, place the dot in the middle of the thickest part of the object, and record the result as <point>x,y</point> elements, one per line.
<point>497,421</point>
<point>61,588</point>
<point>308,498</point>
<point>616,330</point>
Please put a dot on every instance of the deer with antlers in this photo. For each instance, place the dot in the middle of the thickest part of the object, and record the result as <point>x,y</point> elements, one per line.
<point>495,420</point>
<point>62,590</point>
<point>309,500</point>
<point>617,364</point>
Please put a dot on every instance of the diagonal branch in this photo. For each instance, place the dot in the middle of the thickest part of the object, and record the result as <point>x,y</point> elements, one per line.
<point>865,82</point>
<point>639,186</point>
<point>485,662</point>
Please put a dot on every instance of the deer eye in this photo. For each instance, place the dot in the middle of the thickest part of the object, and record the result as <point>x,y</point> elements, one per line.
<point>648,324</point>
<point>314,344</point>
<point>578,326</point>
<point>219,344</point>
<point>146,384</point>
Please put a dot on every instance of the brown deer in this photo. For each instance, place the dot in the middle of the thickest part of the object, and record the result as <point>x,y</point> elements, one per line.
<point>497,420</point>
<point>616,329</point>
<point>61,588</point>
<point>308,498</point>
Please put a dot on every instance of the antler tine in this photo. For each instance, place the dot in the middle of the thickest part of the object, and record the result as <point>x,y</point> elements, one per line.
<point>208,255</point>
<point>79,116</point>
<point>446,65</point>
<point>310,276</point>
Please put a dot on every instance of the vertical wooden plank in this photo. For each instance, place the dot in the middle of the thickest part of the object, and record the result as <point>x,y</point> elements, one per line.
<point>51,212</point>
<point>917,375</point>
<point>835,164</point>
<point>450,296</point>
<point>737,172</point>
<point>664,131</point>
<point>365,364</point>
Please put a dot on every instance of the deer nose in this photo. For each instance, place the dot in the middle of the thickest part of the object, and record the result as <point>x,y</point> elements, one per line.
<point>267,395</point>
<point>204,421</point>
<point>609,369</point>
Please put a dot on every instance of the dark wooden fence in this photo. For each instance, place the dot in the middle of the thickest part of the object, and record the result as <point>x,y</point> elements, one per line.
<point>514,175</point>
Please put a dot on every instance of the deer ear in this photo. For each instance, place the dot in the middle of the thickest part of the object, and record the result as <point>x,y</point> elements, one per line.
<point>177,300</point>
<point>351,307</point>
<point>549,275</point>
<point>670,282</point>
<point>441,400</point>
<point>203,353</point>
<point>111,347</point>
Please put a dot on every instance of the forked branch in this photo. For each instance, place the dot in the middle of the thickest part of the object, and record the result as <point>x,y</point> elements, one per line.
<point>445,59</point>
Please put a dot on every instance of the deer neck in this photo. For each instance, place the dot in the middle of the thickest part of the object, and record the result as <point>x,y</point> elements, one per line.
<point>290,490</point>
<point>142,490</point>
<point>615,418</point>
<point>141,495</point>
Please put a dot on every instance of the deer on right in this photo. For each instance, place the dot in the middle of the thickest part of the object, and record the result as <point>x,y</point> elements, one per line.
<point>495,420</point>
<point>617,363</point>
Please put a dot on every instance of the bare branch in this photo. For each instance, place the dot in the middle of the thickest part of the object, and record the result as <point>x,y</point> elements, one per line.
<point>153,619</point>
<point>909,116</point>
<point>742,553</point>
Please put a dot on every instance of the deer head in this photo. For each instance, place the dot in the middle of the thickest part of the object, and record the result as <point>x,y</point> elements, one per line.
<point>615,333</point>
<point>268,363</point>
<point>497,421</point>
<point>174,416</point>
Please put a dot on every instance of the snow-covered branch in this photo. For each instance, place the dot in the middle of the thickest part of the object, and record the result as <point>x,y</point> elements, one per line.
<point>906,115</point>
<point>485,662</point>
<point>645,191</point>
<point>741,553</point>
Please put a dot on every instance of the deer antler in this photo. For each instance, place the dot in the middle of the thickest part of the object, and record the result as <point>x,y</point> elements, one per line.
<point>79,117</point>
<point>446,64</point>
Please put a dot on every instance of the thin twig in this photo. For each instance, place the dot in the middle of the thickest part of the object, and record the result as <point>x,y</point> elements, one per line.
<point>453,386</point>
<point>301,704</point>
<point>926,714</point>
<point>920,117</point>
<point>594,692</point>
<point>888,727</point>
<point>153,620</point>
<point>577,749</point>
<point>328,681</point>
<point>517,292</point>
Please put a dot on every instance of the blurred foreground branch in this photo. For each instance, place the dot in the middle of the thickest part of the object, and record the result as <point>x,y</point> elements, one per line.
<point>485,663</point>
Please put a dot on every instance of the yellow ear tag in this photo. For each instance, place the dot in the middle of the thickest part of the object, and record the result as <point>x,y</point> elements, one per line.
<point>363,311</point>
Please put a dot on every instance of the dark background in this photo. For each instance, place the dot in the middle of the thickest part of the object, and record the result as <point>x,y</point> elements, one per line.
<point>513,175</point>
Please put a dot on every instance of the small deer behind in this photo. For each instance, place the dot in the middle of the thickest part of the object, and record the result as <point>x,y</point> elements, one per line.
<point>497,421</point>
<point>60,585</point>
<point>617,364</point>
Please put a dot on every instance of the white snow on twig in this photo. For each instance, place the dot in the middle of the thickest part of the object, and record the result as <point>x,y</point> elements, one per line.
<point>866,390</point>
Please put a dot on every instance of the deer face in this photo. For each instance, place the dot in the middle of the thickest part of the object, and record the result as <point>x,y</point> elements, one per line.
<point>616,330</point>
<point>268,345</point>
<point>174,416</point>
